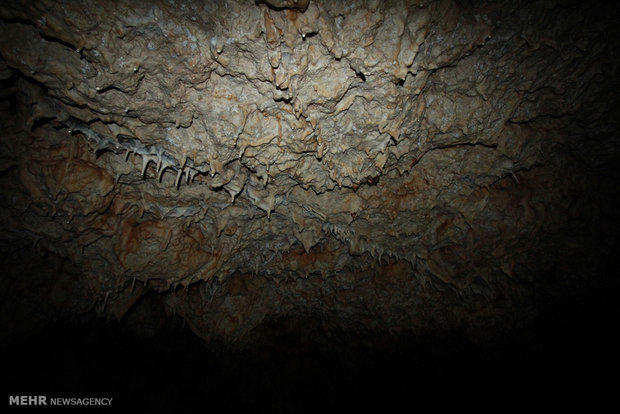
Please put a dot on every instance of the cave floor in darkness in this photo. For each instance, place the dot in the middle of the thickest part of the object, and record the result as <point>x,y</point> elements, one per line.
<point>567,359</point>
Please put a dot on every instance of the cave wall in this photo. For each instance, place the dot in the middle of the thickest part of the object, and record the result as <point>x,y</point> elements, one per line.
<point>378,166</point>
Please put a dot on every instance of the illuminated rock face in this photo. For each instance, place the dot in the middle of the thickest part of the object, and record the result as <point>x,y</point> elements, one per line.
<point>397,166</point>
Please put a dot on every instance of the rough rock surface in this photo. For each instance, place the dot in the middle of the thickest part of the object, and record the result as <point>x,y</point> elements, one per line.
<point>380,166</point>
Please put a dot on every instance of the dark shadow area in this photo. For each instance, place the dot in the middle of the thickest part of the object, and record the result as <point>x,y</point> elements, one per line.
<point>565,360</point>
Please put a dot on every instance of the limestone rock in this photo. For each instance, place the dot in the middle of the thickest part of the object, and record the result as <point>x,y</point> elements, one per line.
<point>386,161</point>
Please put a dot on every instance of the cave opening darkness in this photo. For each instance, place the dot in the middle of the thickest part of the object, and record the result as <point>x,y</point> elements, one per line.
<point>307,205</point>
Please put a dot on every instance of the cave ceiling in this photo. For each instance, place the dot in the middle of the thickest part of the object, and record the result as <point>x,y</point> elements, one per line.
<point>395,165</point>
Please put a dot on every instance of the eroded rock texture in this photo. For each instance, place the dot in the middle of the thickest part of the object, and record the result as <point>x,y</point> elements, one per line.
<point>380,166</point>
